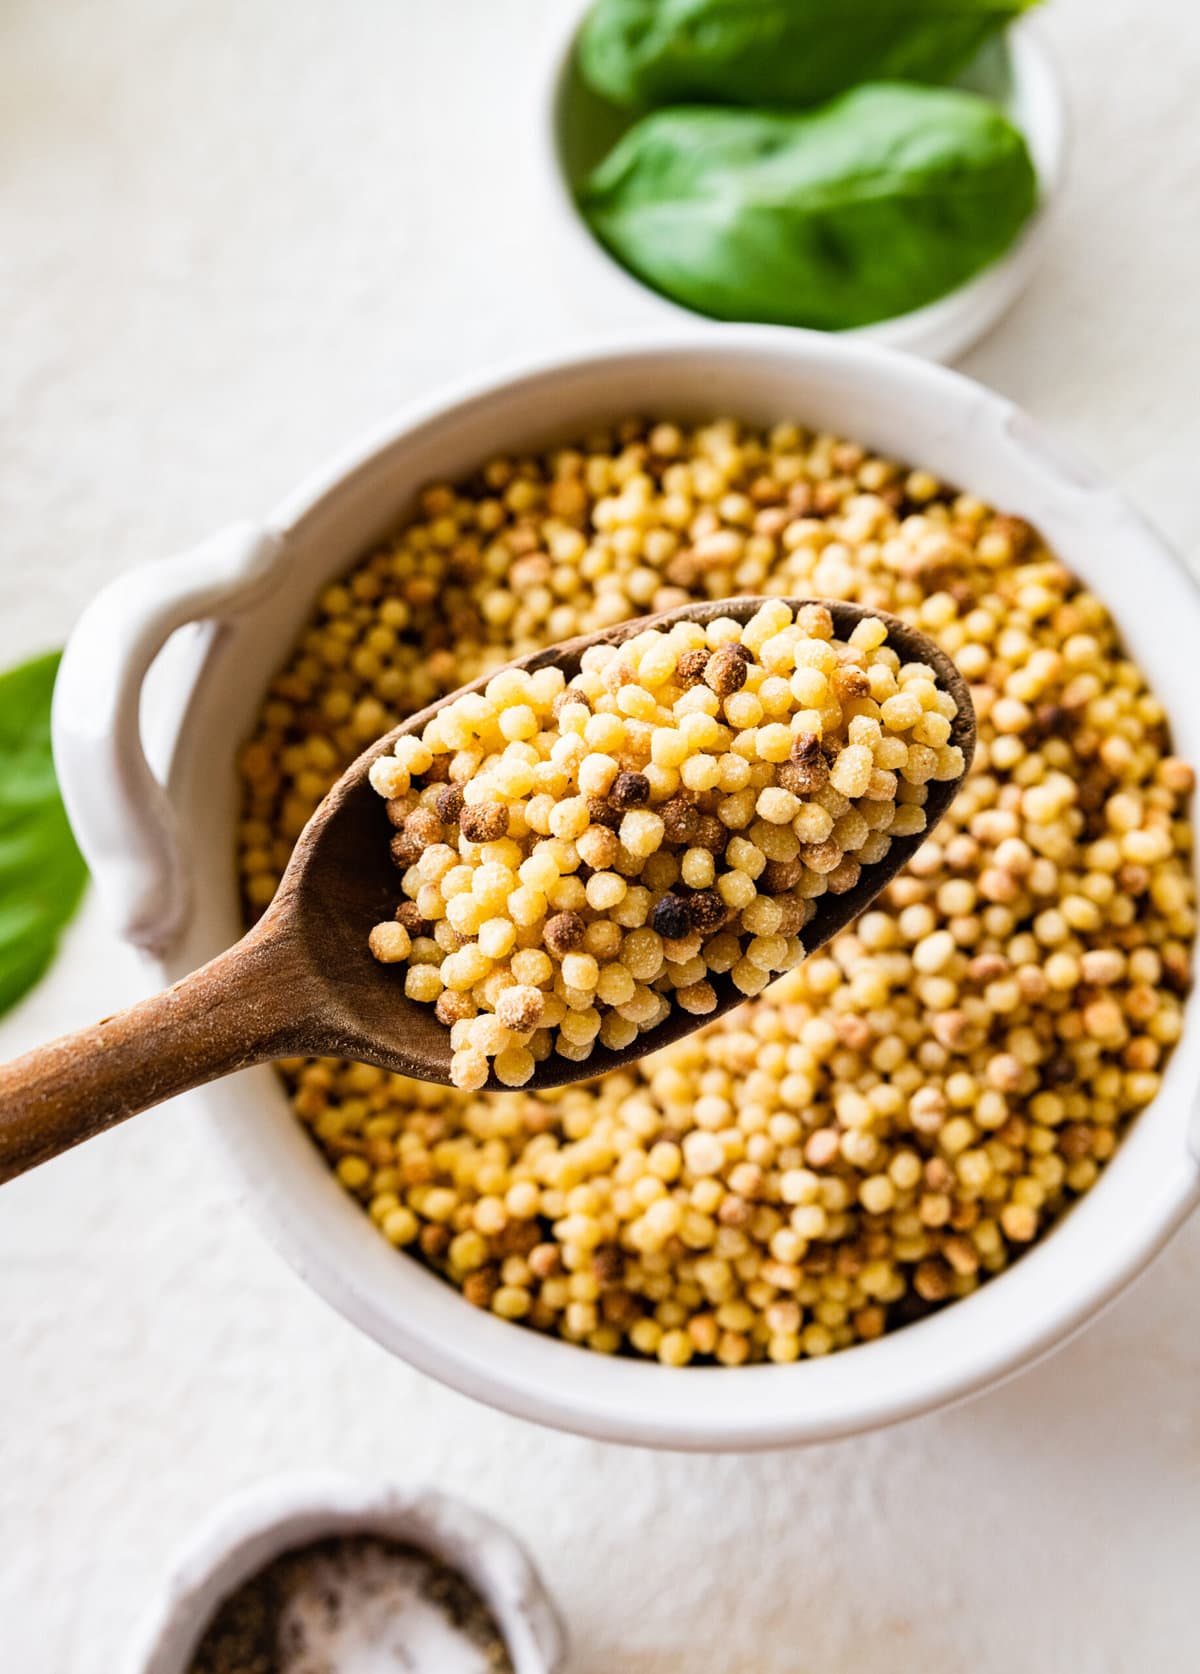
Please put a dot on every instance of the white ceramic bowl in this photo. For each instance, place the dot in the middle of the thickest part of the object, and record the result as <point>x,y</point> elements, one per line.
<point>246,1535</point>
<point>162,855</point>
<point>576,128</point>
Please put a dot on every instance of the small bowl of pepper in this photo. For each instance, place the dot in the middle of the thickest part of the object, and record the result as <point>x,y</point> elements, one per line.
<point>772,165</point>
<point>322,1576</point>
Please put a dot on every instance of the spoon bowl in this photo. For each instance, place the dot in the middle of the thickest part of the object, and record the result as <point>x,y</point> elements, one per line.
<point>304,983</point>
<point>341,880</point>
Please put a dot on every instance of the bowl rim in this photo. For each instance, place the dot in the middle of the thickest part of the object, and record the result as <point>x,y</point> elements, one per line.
<point>939,330</point>
<point>962,1350</point>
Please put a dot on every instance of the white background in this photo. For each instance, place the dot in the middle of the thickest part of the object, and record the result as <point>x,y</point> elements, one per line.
<point>233,233</point>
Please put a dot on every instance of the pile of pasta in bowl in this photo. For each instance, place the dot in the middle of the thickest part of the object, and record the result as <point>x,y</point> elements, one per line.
<point>887,1125</point>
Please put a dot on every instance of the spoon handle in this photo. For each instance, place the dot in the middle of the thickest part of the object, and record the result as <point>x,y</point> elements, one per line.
<point>231,1013</point>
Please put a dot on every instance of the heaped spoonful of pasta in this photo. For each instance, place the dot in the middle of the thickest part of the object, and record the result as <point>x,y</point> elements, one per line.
<point>560,868</point>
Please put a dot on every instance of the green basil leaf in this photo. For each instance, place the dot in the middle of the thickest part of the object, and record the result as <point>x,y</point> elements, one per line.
<point>777,52</point>
<point>860,210</point>
<point>42,874</point>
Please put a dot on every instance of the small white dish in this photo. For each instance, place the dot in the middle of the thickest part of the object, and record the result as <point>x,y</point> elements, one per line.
<point>244,1536</point>
<point>575,128</point>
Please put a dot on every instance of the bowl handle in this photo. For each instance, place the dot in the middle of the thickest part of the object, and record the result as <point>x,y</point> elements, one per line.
<point>121,814</point>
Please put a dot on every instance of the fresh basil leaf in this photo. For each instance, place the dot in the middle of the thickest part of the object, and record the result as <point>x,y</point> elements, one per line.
<point>865,208</point>
<point>42,874</point>
<point>643,53</point>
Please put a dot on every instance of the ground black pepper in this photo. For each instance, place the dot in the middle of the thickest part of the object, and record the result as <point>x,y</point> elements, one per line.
<point>251,1632</point>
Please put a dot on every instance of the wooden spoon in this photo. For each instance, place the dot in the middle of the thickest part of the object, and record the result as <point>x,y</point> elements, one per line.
<point>303,981</point>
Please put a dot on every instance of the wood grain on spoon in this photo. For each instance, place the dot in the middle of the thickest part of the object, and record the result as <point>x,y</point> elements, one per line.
<point>303,981</point>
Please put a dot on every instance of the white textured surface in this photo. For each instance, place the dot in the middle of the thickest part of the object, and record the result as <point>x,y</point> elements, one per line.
<point>231,235</point>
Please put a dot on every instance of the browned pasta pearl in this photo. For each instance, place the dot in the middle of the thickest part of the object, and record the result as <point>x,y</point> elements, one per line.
<point>406,847</point>
<point>672,917</point>
<point>711,834</point>
<point>706,912</point>
<point>603,812</point>
<point>564,932</point>
<point>727,669</point>
<point>690,669</point>
<point>409,915</point>
<point>484,822</point>
<point>629,790</point>
<point>449,804</point>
